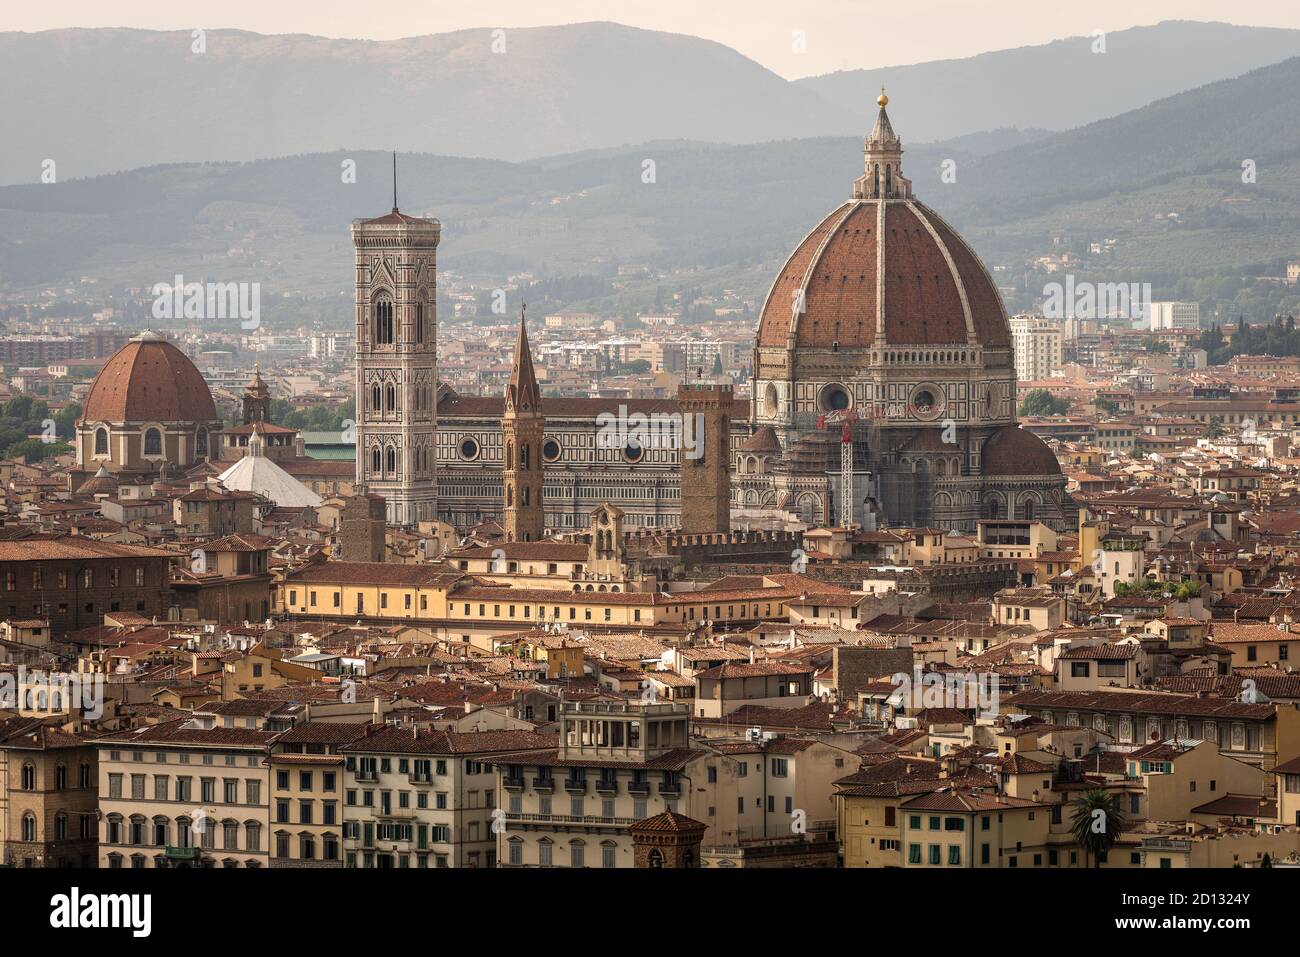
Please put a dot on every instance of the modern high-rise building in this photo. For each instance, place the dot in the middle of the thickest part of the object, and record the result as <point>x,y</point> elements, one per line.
<point>1175,315</point>
<point>1037,341</point>
<point>397,346</point>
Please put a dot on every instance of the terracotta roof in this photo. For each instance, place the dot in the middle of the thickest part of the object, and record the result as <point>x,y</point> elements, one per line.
<point>1104,652</point>
<point>930,277</point>
<point>1014,451</point>
<point>373,573</point>
<point>1139,702</point>
<point>149,380</point>
<point>759,669</point>
<point>73,548</point>
<point>670,821</point>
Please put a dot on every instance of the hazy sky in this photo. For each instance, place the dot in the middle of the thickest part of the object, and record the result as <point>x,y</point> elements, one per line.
<point>839,34</point>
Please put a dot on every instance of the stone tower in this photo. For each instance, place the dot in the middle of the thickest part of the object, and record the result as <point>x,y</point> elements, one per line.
<point>667,840</point>
<point>704,458</point>
<point>397,345</point>
<point>360,535</point>
<point>522,426</point>
<point>605,550</point>
<point>257,399</point>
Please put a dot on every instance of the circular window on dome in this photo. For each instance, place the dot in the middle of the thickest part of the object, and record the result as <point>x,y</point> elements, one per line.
<point>551,450</point>
<point>633,452</point>
<point>469,449</point>
<point>835,398</point>
<point>927,401</point>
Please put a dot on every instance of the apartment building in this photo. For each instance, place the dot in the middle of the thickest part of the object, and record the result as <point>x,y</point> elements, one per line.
<point>417,797</point>
<point>1037,342</point>
<point>1258,734</point>
<point>457,607</point>
<point>968,828</point>
<point>307,787</point>
<point>1174,315</point>
<point>49,795</point>
<point>616,763</point>
<point>173,795</point>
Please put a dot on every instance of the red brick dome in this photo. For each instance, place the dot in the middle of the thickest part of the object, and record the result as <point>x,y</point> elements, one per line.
<point>149,380</point>
<point>906,271</point>
<point>1013,451</point>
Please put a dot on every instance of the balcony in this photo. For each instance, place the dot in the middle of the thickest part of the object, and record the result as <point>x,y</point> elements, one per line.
<point>607,786</point>
<point>587,819</point>
<point>575,785</point>
<point>178,853</point>
<point>544,784</point>
<point>367,774</point>
<point>513,784</point>
<point>638,787</point>
<point>671,791</point>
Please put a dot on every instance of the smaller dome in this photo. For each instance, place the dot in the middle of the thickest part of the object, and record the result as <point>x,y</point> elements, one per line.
<point>101,482</point>
<point>149,379</point>
<point>1013,451</point>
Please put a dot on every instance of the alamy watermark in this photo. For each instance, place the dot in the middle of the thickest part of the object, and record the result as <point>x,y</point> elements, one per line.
<point>932,689</point>
<point>209,300</point>
<point>1096,300</point>
<point>54,691</point>
<point>635,432</point>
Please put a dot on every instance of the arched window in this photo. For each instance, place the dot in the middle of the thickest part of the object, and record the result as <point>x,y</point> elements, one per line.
<point>392,397</point>
<point>523,456</point>
<point>656,857</point>
<point>375,402</point>
<point>392,460</point>
<point>152,442</point>
<point>201,442</point>
<point>419,322</point>
<point>376,461</point>
<point>101,441</point>
<point>61,777</point>
<point>61,827</point>
<point>1027,506</point>
<point>29,827</point>
<point>510,455</point>
<point>29,777</point>
<point>383,324</point>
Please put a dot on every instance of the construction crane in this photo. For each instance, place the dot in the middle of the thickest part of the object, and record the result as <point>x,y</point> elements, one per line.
<point>845,419</point>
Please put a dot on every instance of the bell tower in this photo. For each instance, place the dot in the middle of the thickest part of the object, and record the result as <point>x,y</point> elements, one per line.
<point>257,399</point>
<point>397,348</point>
<point>522,427</point>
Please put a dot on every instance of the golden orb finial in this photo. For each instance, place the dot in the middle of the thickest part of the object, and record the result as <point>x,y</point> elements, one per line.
<point>882,101</point>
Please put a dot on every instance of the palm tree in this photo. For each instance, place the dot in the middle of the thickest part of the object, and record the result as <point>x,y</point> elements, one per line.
<point>1097,823</point>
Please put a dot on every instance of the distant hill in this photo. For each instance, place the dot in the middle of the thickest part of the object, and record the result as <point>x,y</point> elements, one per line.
<point>1059,85</point>
<point>105,100</point>
<point>1163,182</point>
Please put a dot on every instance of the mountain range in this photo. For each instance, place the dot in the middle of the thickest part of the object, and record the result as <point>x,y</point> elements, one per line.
<point>97,101</point>
<point>1199,186</point>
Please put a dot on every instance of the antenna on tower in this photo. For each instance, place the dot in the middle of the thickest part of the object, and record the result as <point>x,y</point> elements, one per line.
<point>394,180</point>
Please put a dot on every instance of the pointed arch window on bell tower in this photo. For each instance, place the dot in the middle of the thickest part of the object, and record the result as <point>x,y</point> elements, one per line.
<point>383,324</point>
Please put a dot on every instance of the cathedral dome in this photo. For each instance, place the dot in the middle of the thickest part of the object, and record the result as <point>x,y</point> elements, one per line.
<point>899,270</point>
<point>883,269</point>
<point>1013,451</point>
<point>149,380</point>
